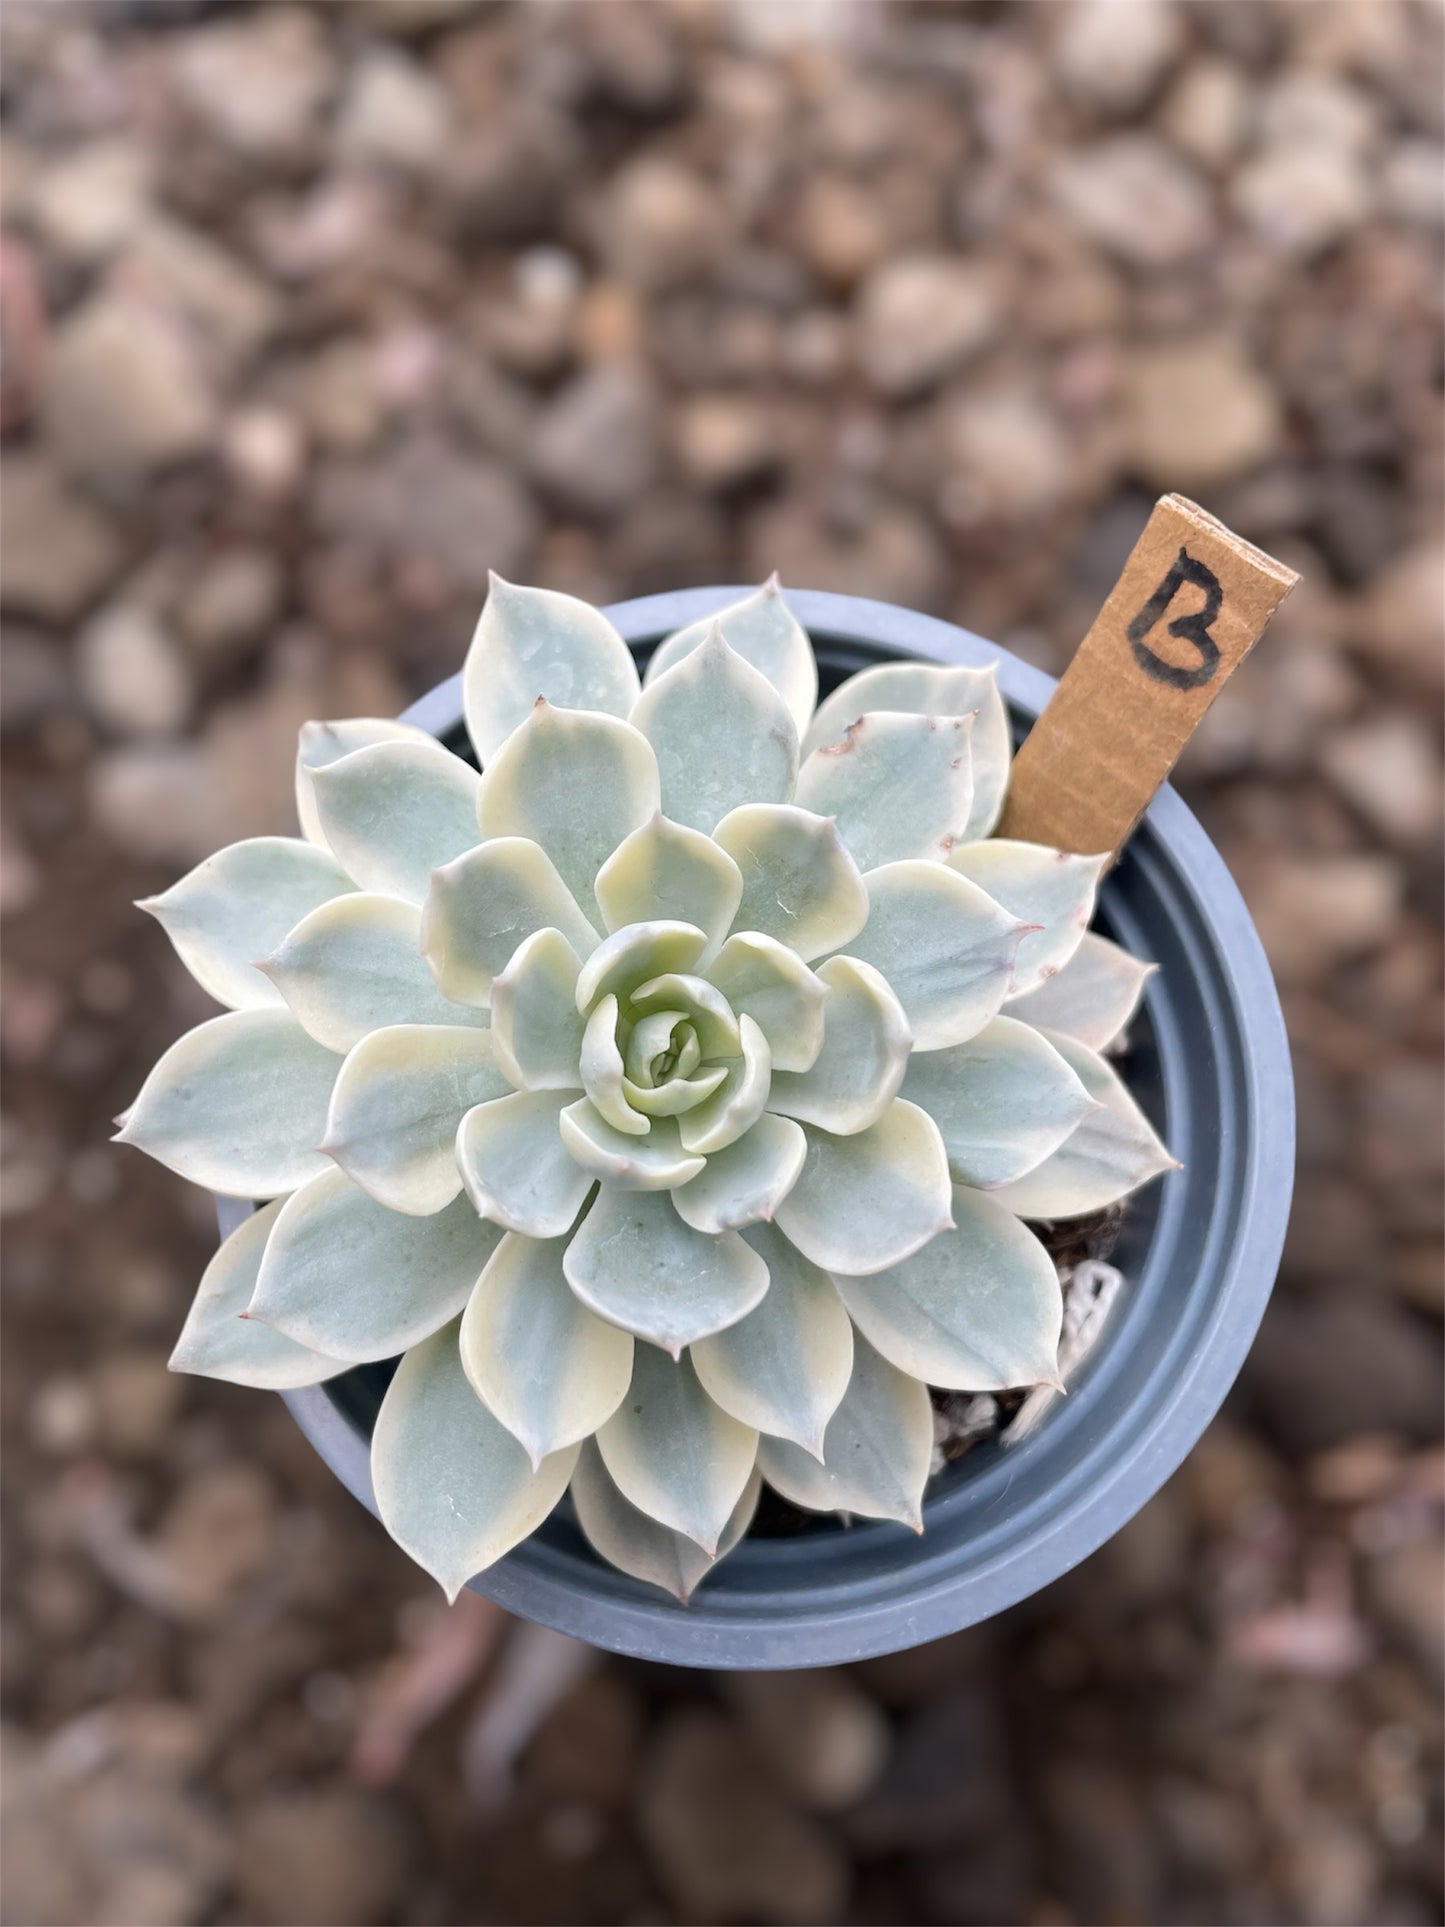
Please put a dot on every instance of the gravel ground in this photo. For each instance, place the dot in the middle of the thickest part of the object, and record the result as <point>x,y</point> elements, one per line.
<point>313,313</point>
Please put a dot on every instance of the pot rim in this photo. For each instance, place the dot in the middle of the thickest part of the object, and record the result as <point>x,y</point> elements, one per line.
<point>849,1620</point>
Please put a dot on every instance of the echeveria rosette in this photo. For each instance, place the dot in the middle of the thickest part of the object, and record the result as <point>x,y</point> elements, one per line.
<point>672,1095</point>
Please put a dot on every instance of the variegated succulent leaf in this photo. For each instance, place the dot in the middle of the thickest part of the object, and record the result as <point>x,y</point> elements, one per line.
<point>673,1096</point>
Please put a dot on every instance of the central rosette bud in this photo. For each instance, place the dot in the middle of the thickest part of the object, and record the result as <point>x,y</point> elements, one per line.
<point>671,1072</point>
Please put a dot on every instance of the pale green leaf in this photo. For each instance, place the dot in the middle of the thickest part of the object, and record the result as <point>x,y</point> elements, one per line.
<point>765,980</point>
<point>540,1362</point>
<point>515,1167</point>
<point>1111,1153</point>
<point>737,1103</point>
<point>866,1041</point>
<point>876,1451</point>
<point>673,1453</point>
<point>347,1277</point>
<point>603,1076</point>
<point>799,883</point>
<point>946,949</point>
<point>784,1368</point>
<point>321,744</point>
<point>395,812</point>
<point>216,1341</point>
<point>636,1264</point>
<point>237,906</point>
<point>870,1200</point>
<point>398,1100</point>
<point>747,1180</point>
<point>665,871</point>
<point>704,1008</point>
<point>639,1546</point>
<point>535,1021</point>
<point>1091,998</point>
<point>675,1094</point>
<point>898,786</point>
<point>354,966</point>
<point>655,1162</point>
<point>453,1487</point>
<point>977,1310</point>
<point>1004,1101</point>
<point>930,689</point>
<point>574,781</point>
<point>721,733</point>
<point>1047,887</point>
<point>634,956</point>
<point>480,909</point>
<point>238,1105</point>
<point>538,642</point>
<point>766,634</point>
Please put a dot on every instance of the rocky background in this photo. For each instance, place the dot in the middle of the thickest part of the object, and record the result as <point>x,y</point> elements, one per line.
<point>311,314</point>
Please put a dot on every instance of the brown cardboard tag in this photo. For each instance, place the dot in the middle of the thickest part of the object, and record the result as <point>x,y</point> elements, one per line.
<point>1192,602</point>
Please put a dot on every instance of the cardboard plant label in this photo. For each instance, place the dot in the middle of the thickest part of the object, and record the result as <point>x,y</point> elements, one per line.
<point>1192,602</point>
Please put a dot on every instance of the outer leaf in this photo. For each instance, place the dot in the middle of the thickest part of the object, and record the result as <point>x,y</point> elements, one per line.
<point>321,744</point>
<point>673,1453</point>
<point>635,1544</point>
<point>354,966</point>
<point>977,1310</point>
<point>634,956</point>
<point>603,1077</point>
<point>238,1105</point>
<point>576,782</point>
<point>946,949</point>
<point>515,1168</point>
<point>665,871</point>
<point>538,642</point>
<point>636,1264</point>
<point>738,1102</point>
<point>1091,998</point>
<point>395,812</point>
<point>398,1100</point>
<point>1004,1101</point>
<point>238,905</point>
<point>453,1487</point>
<point>747,1180</point>
<point>216,1341</point>
<point>785,1367</point>
<point>925,689</point>
<point>876,1451</point>
<point>1112,1152</point>
<point>538,1360</point>
<point>871,1200</point>
<point>481,908</point>
<point>1038,885</point>
<point>347,1277</point>
<point>899,786</point>
<point>765,980</point>
<point>656,1162</point>
<point>764,632</point>
<point>535,1020</point>
<point>866,1041</point>
<point>721,733</point>
<point>799,883</point>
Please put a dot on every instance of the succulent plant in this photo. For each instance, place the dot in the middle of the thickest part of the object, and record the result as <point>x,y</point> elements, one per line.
<point>671,1096</point>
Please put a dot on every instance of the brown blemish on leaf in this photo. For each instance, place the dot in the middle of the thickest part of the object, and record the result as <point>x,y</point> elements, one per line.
<point>849,742</point>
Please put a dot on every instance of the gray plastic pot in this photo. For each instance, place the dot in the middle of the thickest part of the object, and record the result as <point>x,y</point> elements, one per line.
<point>1210,1064</point>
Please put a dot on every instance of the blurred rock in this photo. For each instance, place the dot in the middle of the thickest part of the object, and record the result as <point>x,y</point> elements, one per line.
<point>1113,58</point>
<point>124,396</point>
<point>869,548</point>
<point>1389,769</point>
<point>725,1844</point>
<point>596,445</point>
<point>60,553</point>
<point>1401,614</point>
<point>921,317</point>
<point>1136,199</point>
<point>825,1740</point>
<point>153,1851</point>
<point>1326,1368</point>
<point>660,223</point>
<point>35,679</point>
<point>1008,458</point>
<point>1197,413</point>
<point>312,1857</point>
<point>1314,912</point>
<point>842,232</point>
<point>1206,113</point>
<point>88,204</point>
<point>229,314</point>
<point>235,599</point>
<point>132,677</point>
<point>220,1531</point>
<point>258,83</point>
<point>727,439</point>
<point>1412,186</point>
<point>1406,1586</point>
<point>137,1399</point>
<point>393,115</point>
<point>1301,200</point>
